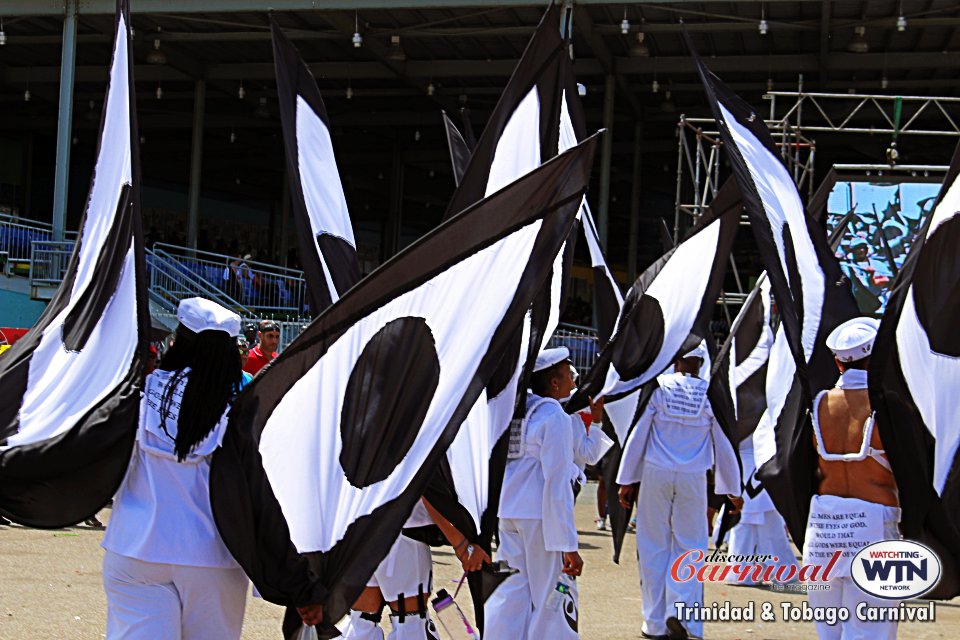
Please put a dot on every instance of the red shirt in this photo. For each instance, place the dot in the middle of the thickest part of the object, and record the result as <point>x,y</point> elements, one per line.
<point>256,360</point>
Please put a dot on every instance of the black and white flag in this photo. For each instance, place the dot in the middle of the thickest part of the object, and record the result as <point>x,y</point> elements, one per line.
<point>914,378</point>
<point>460,151</point>
<point>328,250</point>
<point>811,294</point>
<point>70,388</point>
<point>523,131</point>
<point>743,359</point>
<point>667,311</point>
<point>334,444</point>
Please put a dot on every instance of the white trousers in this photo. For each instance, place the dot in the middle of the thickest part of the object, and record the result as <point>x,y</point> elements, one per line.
<point>405,571</point>
<point>845,593</point>
<point>671,520</point>
<point>149,601</point>
<point>768,536</point>
<point>517,609</point>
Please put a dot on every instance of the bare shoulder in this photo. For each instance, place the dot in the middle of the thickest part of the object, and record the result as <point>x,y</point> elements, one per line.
<point>834,403</point>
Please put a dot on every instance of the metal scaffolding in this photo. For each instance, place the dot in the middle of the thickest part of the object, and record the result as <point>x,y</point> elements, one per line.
<point>870,114</point>
<point>794,117</point>
<point>698,180</point>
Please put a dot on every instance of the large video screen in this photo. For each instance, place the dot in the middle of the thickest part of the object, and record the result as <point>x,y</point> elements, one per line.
<point>880,222</point>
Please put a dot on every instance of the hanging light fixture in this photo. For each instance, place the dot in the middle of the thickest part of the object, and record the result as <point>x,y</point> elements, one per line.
<point>143,139</point>
<point>396,52</point>
<point>241,92</point>
<point>858,44</point>
<point>625,24</point>
<point>640,48</point>
<point>655,87</point>
<point>233,137</point>
<point>763,25</point>
<point>581,89</point>
<point>431,89</point>
<point>159,92</point>
<point>884,83</point>
<point>26,95</point>
<point>416,135</point>
<point>667,105</point>
<point>357,38</point>
<point>156,56</point>
<point>769,83</point>
<point>901,23</point>
<point>3,34</point>
<point>349,93</point>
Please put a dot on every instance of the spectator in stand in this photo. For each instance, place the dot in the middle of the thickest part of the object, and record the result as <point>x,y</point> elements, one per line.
<point>237,278</point>
<point>266,351</point>
<point>244,346</point>
<point>151,363</point>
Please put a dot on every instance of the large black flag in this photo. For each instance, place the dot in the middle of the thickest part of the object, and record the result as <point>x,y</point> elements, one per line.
<point>914,377</point>
<point>70,388</point>
<point>459,149</point>
<point>523,129</point>
<point>811,293</point>
<point>334,444</point>
<point>667,310</point>
<point>328,250</point>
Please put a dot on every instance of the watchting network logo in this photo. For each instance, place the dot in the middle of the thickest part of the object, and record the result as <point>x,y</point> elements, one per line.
<point>895,569</point>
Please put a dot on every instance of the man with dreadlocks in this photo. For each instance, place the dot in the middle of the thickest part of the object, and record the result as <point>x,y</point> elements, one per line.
<point>166,571</point>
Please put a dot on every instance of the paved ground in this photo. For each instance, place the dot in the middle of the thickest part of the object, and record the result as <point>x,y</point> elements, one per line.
<point>52,589</point>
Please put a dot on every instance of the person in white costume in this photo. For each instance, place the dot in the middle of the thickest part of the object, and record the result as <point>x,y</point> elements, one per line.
<point>854,478</point>
<point>590,443</point>
<point>166,571</point>
<point>538,535</point>
<point>675,442</point>
<point>404,581</point>
<point>761,529</point>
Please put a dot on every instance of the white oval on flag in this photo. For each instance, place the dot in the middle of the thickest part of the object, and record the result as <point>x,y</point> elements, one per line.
<point>895,569</point>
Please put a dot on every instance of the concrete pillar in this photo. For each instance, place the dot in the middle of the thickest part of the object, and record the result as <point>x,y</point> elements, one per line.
<point>634,237</point>
<point>196,163</point>
<point>285,214</point>
<point>606,157</point>
<point>390,240</point>
<point>68,58</point>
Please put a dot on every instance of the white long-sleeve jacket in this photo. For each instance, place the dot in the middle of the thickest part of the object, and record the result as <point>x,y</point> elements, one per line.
<point>537,485</point>
<point>678,431</point>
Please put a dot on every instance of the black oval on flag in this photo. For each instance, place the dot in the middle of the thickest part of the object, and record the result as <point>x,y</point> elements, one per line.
<point>387,397</point>
<point>936,293</point>
<point>635,352</point>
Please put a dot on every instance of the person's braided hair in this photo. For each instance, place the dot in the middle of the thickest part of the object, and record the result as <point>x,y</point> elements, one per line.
<point>212,380</point>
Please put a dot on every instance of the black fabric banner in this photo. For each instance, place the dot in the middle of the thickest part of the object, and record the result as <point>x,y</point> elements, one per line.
<point>70,388</point>
<point>328,249</point>
<point>336,467</point>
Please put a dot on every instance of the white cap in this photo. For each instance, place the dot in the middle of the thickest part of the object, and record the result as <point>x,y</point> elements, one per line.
<point>200,314</point>
<point>853,340</point>
<point>700,351</point>
<point>550,357</point>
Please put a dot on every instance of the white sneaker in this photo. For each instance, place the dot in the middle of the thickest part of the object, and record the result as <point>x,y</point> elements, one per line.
<point>601,524</point>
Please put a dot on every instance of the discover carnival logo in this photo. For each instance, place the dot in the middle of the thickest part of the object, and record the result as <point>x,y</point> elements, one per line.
<point>895,569</point>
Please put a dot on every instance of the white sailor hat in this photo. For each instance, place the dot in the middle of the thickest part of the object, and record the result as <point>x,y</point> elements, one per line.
<point>853,340</point>
<point>549,357</point>
<point>200,314</point>
<point>699,351</point>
